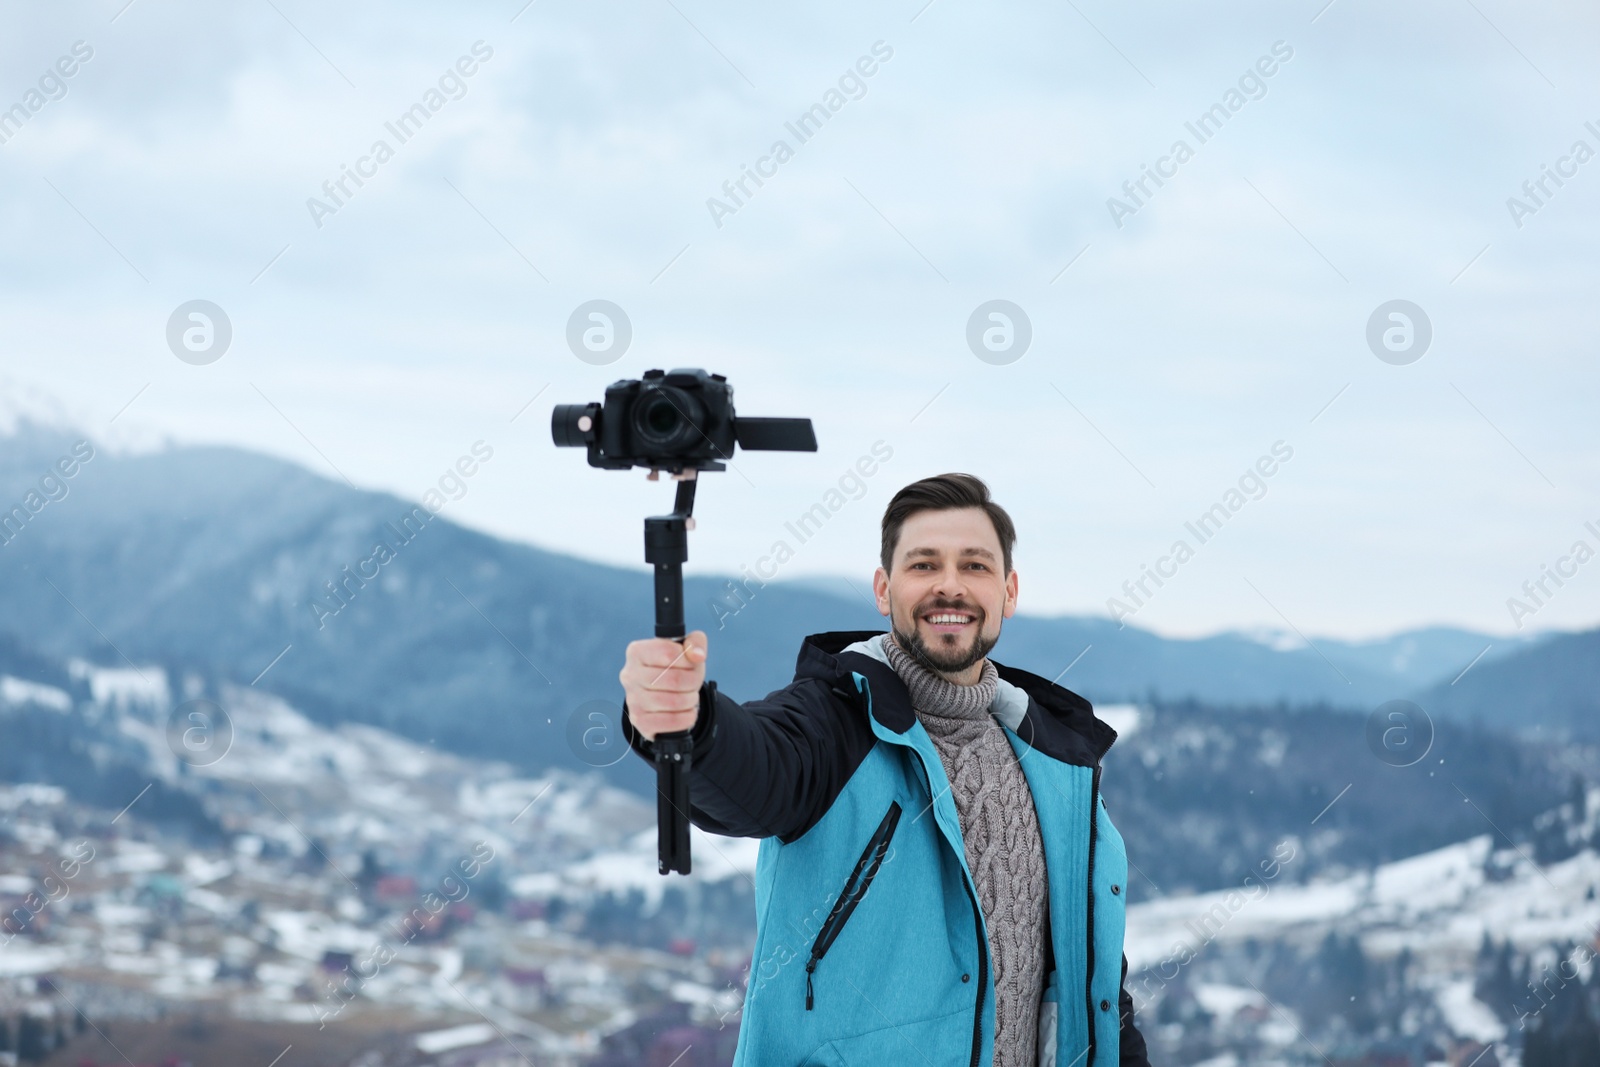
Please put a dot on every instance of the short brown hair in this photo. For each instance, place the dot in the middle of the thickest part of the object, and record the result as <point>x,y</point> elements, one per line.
<point>940,493</point>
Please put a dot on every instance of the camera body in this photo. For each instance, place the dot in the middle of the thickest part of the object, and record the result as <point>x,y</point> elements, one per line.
<point>673,421</point>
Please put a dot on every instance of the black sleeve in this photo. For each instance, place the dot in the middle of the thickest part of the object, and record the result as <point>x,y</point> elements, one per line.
<point>1130,1041</point>
<point>770,767</point>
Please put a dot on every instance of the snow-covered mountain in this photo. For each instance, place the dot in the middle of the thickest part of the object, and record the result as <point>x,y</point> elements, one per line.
<point>237,563</point>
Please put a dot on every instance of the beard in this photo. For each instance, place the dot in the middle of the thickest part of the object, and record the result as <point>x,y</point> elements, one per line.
<point>937,657</point>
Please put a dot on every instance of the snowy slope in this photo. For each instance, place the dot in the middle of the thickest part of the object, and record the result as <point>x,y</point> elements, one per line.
<point>1438,905</point>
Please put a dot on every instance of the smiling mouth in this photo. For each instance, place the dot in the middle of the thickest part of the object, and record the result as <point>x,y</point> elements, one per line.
<point>949,622</point>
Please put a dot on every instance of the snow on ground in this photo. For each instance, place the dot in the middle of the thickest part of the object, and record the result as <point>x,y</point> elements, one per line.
<point>135,856</point>
<point>635,866</point>
<point>1467,1015</point>
<point>16,691</point>
<point>309,934</point>
<point>1224,1001</point>
<point>1123,718</point>
<point>199,871</point>
<point>1438,904</point>
<point>13,797</point>
<point>29,959</point>
<point>124,687</point>
<point>362,782</point>
<point>436,1041</point>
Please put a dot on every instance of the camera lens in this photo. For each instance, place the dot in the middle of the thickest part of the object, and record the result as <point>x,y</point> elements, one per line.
<point>660,417</point>
<point>666,421</point>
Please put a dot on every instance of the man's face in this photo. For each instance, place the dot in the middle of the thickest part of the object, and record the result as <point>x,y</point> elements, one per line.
<point>946,592</point>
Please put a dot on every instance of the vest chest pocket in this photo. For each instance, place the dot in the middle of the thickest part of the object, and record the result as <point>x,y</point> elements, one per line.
<point>855,887</point>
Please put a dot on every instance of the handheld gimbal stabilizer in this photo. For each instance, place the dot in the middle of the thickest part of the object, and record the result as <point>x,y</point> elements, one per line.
<point>681,422</point>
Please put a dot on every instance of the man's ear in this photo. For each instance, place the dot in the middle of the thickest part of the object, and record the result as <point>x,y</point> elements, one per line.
<point>880,590</point>
<point>1010,608</point>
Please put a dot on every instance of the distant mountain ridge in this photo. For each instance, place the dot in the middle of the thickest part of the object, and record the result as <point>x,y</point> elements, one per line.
<point>214,556</point>
<point>1550,691</point>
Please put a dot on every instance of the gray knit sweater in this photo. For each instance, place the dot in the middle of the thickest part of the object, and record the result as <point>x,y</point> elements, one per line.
<point>1001,833</point>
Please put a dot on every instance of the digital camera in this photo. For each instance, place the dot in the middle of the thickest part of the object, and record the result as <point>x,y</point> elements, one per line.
<point>672,421</point>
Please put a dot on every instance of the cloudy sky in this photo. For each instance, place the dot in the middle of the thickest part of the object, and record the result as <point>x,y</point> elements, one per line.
<point>1176,337</point>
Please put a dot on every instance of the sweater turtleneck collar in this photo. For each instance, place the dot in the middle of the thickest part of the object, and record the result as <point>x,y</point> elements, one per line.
<point>934,694</point>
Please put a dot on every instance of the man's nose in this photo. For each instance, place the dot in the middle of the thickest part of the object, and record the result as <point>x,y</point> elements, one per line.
<point>952,583</point>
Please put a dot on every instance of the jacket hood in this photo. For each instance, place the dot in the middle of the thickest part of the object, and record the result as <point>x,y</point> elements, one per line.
<point>1058,722</point>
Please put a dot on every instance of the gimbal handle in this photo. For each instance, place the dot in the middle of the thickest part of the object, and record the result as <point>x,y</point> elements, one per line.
<point>666,546</point>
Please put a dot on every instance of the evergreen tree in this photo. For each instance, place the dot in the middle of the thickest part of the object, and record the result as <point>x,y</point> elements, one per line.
<point>1538,1048</point>
<point>1578,797</point>
<point>371,871</point>
<point>1498,986</point>
<point>1340,986</point>
<point>1391,1003</point>
<point>491,891</point>
<point>1583,1041</point>
<point>1483,969</point>
<point>1563,1031</point>
<point>1552,843</point>
<point>1178,1005</point>
<point>33,1040</point>
<point>1569,1039</point>
<point>315,858</point>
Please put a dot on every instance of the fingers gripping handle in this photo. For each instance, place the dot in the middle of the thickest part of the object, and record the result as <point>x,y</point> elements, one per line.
<point>674,756</point>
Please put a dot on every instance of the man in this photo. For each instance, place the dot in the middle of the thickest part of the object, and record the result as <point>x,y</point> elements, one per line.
<point>938,881</point>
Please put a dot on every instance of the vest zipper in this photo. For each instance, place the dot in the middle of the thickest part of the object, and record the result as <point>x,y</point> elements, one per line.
<point>983,979</point>
<point>871,859</point>
<point>1088,981</point>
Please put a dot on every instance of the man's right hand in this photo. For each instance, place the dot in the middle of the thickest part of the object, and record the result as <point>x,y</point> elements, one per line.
<point>661,682</point>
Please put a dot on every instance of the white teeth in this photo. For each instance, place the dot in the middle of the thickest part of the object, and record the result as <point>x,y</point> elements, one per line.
<point>937,619</point>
